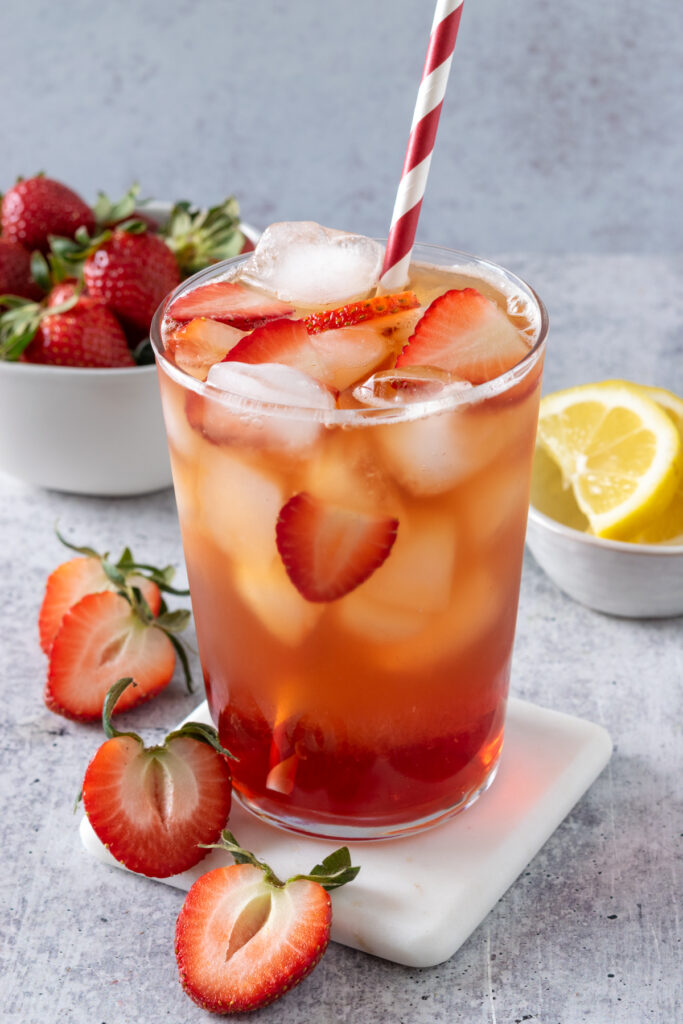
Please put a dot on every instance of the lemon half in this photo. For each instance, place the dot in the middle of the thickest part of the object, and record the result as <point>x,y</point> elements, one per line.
<point>667,527</point>
<point>617,449</point>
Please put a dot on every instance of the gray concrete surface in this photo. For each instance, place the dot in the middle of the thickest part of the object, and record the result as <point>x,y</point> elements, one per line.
<point>589,934</point>
<point>561,129</point>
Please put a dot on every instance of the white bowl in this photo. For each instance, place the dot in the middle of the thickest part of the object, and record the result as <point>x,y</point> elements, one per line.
<point>631,580</point>
<point>86,431</point>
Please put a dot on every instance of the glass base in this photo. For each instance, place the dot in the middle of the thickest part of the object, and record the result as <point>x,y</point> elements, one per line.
<point>356,832</point>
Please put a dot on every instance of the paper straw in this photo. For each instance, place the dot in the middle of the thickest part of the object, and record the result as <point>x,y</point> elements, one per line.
<point>428,106</point>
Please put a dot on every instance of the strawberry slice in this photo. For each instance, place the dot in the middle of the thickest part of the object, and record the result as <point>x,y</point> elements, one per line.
<point>197,345</point>
<point>358,312</point>
<point>100,639</point>
<point>464,332</point>
<point>244,938</point>
<point>71,581</point>
<point>153,806</point>
<point>282,341</point>
<point>336,358</point>
<point>328,550</point>
<point>229,302</point>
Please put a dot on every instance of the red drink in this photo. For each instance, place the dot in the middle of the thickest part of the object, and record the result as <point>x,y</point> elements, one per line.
<point>381,709</point>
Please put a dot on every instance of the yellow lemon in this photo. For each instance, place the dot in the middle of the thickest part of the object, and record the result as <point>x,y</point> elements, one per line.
<point>617,449</point>
<point>667,527</point>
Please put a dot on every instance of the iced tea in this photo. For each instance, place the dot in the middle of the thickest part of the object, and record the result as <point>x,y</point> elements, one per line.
<point>354,538</point>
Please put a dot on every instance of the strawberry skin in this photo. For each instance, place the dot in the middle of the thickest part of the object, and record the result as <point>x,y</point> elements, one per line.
<point>281,341</point>
<point>229,302</point>
<point>241,942</point>
<point>153,807</point>
<point>328,550</point>
<point>465,333</point>
<point>15,271</point>
<point>132,274</point>
<point>71,581</point>
<point>36,208</point>
<point>359,312</point>
<point>99,640</point>
<point>88,334</point>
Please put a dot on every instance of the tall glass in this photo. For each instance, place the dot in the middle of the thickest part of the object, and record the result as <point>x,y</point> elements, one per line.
<point>380,713</point>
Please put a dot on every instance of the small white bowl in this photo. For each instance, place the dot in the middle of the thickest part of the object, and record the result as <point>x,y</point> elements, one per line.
<point>631,580</point>
<point>85,431</point>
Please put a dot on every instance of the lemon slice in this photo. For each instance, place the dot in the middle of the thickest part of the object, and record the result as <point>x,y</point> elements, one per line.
<point>619,451</point>
<point>667,527</point>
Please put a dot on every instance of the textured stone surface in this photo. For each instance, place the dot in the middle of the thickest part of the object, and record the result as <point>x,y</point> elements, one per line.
<point>588,935</point>
<point>559,132</point>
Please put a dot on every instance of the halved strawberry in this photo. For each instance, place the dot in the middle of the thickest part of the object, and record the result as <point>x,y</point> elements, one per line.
<point>71,581</point>
<point>329,550</point>
<point>358,312</point>
<point>197,345</point>
<point>101,639</point>
<point>229,302</point>
<point>244,938</point>
<point>152,807</point>
<point>464,332</point>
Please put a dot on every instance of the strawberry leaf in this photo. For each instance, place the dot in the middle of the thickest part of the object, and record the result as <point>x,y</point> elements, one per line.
<point>113,694</point>
<point>204,733</point>
<point>334,871</point>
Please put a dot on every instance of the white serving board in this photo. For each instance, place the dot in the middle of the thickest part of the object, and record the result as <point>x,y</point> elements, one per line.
<point>417,899</point>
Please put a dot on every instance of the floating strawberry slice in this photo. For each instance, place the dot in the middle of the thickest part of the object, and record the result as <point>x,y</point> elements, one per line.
<point>358,312</point>
<point>328,550</point>
<point>152,807</point>
<point>282,341</point>
<point>229,302</point>
<point>336,358</point>
<point>464,332</point>
<point>197,345</point>
<point>244,938</point>
<point>71,581</point>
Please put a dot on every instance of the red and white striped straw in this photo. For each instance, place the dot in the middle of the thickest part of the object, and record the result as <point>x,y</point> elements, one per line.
<point>428,106</point>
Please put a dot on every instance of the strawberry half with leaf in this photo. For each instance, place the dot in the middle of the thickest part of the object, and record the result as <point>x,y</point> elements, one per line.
<point>156,809</point>
<point>92,573</point>
<point>108,635</point>
<point>38,207</point>
<point>329,550</point>
<point>244,938</point>
<point>467,334</point>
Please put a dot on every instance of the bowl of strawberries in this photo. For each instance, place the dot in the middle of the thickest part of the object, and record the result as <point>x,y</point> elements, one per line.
<point>79,285</point>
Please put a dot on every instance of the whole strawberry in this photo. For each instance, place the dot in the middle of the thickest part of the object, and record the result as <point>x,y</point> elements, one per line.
<point>87,334</point>
<point>15,270</point>
<point>36,208</point>
<point>132,273</point>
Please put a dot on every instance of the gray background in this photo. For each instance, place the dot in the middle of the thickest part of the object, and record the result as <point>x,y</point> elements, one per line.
<point>562,129</point>
<point>560,146</point>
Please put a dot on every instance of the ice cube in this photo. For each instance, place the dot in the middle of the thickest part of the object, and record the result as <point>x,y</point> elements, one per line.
<point>434,453</point>
<point>238,505</point>
<point>270,595</point>
<point>476,609</point>
<point>414,583</point>
<point>310,265</point>
<point>409,384</point>
<point>230,417</point>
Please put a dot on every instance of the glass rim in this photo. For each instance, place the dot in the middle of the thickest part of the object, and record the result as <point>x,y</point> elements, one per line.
<point>457,398</point>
